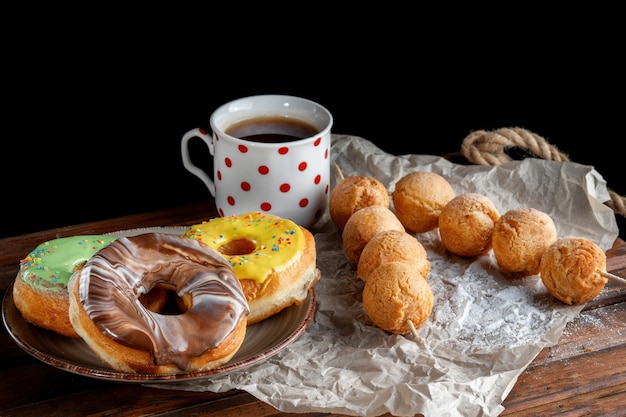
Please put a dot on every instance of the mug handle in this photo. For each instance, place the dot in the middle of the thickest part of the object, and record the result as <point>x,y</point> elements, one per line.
<point>184,150</point>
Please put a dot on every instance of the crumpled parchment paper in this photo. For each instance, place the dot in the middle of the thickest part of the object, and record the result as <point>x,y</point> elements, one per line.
<point>486,325</point>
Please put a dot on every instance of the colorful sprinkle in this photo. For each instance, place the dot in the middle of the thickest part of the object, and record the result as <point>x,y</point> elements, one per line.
<point>276,241</point>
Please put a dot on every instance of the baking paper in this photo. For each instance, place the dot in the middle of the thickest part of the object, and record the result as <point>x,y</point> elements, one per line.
<point>486,325</point>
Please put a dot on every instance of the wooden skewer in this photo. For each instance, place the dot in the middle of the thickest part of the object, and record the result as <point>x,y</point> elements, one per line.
<point>338,170</point>
<point>613,277</point>
<point>413,329</point>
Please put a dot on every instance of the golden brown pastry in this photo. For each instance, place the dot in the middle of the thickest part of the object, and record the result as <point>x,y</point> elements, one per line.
<point>40,289</point>
<point>418,199</point>
<point>466,224</point>
<point>519,238</point>
<point>105,309</point>
<point>363,225</point>
<point>394,295</point>
<point>352,194</point>
<point>273,258</point>
<point>570,269</point>
<point>393,245</point>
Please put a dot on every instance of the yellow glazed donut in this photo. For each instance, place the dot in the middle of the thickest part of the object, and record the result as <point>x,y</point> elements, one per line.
<point>274,258</point>
<point>40,288</point>
<point>106,312</point>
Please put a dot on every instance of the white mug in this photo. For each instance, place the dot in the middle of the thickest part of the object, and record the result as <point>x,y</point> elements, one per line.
<point>271,153</point>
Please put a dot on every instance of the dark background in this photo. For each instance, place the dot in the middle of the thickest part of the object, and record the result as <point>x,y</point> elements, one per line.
<point>93,132</point>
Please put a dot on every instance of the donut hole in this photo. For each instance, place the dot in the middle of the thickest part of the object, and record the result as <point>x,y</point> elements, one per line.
<point>163,299</point>
<point>238,247</point>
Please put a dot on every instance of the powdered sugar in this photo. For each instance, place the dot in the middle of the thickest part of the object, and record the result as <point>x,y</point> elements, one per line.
<point>486,325</point>
<point>479,307</point>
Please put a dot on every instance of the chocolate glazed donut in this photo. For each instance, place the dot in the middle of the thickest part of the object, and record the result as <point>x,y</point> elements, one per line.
<point>106,310</point>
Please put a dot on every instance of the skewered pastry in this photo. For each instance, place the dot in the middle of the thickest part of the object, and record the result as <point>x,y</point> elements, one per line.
<point>466,224</point>
<point>418,199</point>
<point>519,238</point>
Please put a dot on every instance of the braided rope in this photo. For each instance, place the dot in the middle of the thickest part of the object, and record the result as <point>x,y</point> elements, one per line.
<point>490,148</point>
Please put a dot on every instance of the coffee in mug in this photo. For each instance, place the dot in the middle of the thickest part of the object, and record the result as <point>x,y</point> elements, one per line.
<point>272,129</point>
<point>271,153</point>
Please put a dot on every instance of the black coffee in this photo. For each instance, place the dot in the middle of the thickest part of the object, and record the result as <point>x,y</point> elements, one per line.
<point>272,129</point>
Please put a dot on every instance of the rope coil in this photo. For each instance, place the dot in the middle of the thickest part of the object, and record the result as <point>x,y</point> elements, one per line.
<point>494,148</point>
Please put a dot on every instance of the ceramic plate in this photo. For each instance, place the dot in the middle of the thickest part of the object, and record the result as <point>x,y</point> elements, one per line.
<point>263,340</point>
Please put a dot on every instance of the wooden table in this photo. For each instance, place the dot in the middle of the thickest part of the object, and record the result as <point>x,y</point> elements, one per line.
<point>585,374</point>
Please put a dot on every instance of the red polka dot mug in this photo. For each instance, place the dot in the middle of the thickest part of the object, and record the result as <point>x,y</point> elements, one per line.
<point>271,153</point>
